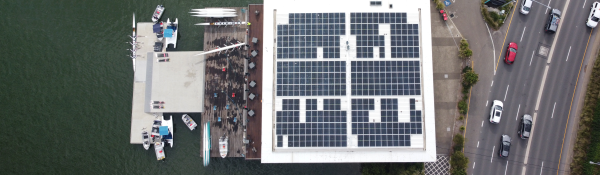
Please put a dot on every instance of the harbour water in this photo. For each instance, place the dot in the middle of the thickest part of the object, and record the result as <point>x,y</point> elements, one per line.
<point>66,88</point>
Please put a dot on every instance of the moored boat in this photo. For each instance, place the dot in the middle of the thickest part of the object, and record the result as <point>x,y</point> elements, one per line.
<point>206,144</point>
<point>223,146</point>
<point>189,122</point>
<point>158,13</point>
<point>166,130</point>
<point>145,140</point>
<point>159,150</point>
<point>171,32</point>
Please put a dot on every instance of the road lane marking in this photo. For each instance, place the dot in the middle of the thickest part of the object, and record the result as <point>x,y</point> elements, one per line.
<point>482,124</point>
<point>548,7</point>
<point>568,53</point>
<point>541,168</point>
<point>492,85</point>
<point>506,92</point>
<point>506,34</point>
<point>493,47</point>
<point>518,112</point>
<point>486,102</point>
<point>478,141</point>
<point>531,58</point>
<point>523,34</point>
<point>584,4</point>
<point>473,165</point>
<point>553,110</point>
<point>492,153</point>
<point>571,106</point>
<point>506,167</point>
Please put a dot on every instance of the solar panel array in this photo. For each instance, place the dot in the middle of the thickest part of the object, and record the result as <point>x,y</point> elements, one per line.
<point>324,123</point>
<point>326,128</point>
<point>305,32</point>
<point>404,37</point>
<point>385,78</point>
<point>311,78</point>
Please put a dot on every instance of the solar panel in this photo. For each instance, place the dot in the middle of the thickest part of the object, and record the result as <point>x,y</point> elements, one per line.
<point>404,38</point>
<point>305,32</point>
<point>385,78</point>
<point>311,78</point>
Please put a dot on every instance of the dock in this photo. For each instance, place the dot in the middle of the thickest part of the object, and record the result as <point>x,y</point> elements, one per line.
<point>255,123</point>
<point>225,76</point>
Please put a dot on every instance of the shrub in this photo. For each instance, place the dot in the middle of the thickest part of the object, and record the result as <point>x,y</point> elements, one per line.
<point>462,128</point>
<point>459,142</point>
<point>464,51</point>
<point>439,5</point>
<point>470,78</point>
<point>463,107</point>
<point>462,117</point>
<point>458,163</point>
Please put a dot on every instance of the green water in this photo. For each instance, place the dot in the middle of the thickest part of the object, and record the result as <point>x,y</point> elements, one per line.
<point>66,88</point>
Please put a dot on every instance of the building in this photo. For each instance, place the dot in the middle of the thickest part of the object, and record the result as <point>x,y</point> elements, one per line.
<point>351,81</point>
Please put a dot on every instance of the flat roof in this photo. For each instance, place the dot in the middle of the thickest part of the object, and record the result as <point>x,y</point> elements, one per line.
<point>176,82</point>
<point>352,81</point>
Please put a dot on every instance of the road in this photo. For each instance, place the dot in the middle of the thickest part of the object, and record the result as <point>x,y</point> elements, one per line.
<point>538,84</point>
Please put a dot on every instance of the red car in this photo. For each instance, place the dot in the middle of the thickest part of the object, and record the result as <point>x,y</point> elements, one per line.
<point>511,53</point>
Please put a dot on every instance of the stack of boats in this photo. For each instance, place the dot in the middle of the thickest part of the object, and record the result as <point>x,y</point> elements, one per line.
<point>214,13</point>
<point>162,132</point>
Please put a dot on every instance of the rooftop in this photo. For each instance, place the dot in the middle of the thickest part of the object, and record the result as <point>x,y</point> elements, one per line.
<point>351,82</point>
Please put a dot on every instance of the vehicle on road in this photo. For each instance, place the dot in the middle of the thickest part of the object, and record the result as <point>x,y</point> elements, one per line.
<point>511,53</point>
<point>504,146</point>
<point>553,20</point>
<point>496,111</point>
<point>526,6</point>
<point>594,16</point>
<point>525,126</point>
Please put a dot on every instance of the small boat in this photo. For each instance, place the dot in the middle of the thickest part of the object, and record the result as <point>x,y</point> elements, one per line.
<point>223,146</point>
<point>171,32</point>
<point>189,122</point>
<point>166,130</point>
<point>145,140</point>
<point>206,144</point>
<point>155,126</point>
<point>214,10</point>
<point>159,150</point>
<point>134,38</point>
<point>158,13</point>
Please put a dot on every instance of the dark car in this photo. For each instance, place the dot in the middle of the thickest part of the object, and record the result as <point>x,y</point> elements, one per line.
<point>504,146</point>
<point>511,53</point>
<point>553,20</point>
<point>525,128</point>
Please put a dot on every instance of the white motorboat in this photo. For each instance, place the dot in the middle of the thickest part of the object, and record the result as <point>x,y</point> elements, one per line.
<point>158,13</point>
<point>189,122</point>
<point>166,130</point>
<point>145,140</point>
<point>171,32</point>
<point>159,150</point>
<point>223,146</point>
<point>155,134</point>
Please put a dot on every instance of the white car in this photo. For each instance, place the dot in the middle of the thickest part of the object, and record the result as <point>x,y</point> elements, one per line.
<point>594,17</point>
<point>526,6</point>
<point>496,112</point>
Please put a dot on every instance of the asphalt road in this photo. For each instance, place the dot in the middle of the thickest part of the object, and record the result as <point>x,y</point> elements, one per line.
<point>519,86</point>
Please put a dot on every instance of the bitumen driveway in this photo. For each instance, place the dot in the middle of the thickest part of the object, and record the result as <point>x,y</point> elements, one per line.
<point>542,83</point>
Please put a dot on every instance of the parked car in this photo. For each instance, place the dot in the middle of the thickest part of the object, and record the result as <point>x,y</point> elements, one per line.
<point>594,16</point>
<point>504,146</point>
<point>496,112</point>
<point>525,126</point>
<point>511,53</point>
<point>526,6</point>
<point>553,20</point>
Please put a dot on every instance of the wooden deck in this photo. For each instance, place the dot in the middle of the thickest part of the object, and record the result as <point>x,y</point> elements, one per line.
<point>255,123</point>
<point>225,83</point>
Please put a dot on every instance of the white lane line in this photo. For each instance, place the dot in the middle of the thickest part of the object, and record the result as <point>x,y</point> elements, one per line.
<point>493,49</point>
<point>541,168</point>
<point>506,167</point>
<point>481,123</point>
<point>477,144</point>
<point>486,102</point>
<point>547,7</point>
<point>568,53</point>
<point>522,34</point>
<point>581,7</point>
<point>506,92</point>
<point>473,165</point>
<point>492,83</point>
<point>553,110</point>
<point>531,58</point>
<point>518,112</point>
<point>492,153</point>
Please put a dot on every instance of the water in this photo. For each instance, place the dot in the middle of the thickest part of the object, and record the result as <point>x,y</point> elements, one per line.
<point>66,89</point>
